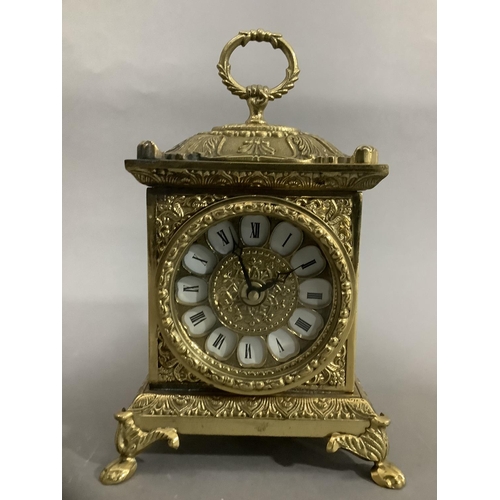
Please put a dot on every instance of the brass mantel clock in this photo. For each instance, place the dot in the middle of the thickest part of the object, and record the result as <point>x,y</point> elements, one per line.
<point>253,244</point>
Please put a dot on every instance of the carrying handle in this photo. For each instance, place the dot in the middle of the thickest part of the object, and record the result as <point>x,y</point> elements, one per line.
<point>257,96</point>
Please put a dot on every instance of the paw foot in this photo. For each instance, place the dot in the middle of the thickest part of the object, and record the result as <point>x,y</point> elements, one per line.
<point>387,475</point>
<point>118,471</point>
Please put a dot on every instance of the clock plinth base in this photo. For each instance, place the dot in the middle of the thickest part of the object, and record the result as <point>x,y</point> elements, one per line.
<point>348,421</point>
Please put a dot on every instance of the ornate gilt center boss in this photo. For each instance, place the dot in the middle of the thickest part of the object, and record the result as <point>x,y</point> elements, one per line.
<point>253,245</point>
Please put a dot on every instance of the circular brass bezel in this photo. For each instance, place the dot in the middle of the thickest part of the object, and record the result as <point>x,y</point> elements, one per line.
<point>256,380</point>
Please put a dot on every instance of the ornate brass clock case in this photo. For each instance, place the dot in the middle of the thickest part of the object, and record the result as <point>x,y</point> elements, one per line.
<point>253,245</point>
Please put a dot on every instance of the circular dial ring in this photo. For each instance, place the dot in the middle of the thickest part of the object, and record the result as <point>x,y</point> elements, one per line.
<point>256,380</point>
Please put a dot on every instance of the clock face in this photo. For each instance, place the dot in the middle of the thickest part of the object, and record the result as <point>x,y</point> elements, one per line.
<point>252,292</point>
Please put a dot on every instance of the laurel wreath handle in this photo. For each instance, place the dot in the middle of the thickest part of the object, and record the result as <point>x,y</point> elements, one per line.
<point>257,96</point>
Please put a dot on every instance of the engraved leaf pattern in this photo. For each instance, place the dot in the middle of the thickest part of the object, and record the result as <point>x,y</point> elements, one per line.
<point>352,180</point>
<point>267,407</point>
<point>334,374</point>
<point>172,211</point>
<point>371,445</point>
<point>256,147</point>
<point>131,439</point>
<point>170,370</point>
<point>336,213</point>
<point>205,145</point>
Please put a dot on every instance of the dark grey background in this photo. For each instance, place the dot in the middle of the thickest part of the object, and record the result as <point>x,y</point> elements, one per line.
<point>136,70</point>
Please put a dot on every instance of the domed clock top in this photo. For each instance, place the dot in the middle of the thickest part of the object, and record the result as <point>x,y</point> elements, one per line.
<point>223,150</point>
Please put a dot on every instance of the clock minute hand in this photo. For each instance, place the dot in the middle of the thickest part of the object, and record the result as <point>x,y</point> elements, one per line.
<point>250,287</point>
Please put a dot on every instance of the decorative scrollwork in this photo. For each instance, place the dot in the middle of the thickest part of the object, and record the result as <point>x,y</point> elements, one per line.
<point>372,445</point>
<point>256,147</point>
<point>169,368</point>
<point>277,305</point>
<point>272,142</point>
<point>265,407</point>
<point>265,380</point>
<point>130,441</point>
<point>343,178</point>
<point>336,213</point>
<point>172,210</point>
<point>334,375</point>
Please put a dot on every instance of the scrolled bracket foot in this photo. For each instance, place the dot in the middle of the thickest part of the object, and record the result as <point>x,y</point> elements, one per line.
<point>372,445</point>
<point>130,441</point>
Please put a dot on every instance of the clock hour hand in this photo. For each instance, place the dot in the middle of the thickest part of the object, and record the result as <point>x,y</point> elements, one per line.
<point>237,251</point>
<point>280,277</point>
<point>267,285</point>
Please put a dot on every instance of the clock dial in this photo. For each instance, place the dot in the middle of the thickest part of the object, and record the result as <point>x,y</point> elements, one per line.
<point>244,307</point>
<point>262,290</point>
<point>256,290</point>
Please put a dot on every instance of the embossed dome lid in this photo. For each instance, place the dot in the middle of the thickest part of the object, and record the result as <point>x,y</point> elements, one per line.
<point>256,154</point>
<point>254,140</point>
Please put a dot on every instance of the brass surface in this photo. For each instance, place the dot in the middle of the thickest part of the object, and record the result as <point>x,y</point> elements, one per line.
<point>333,376</point>
<point>252,141</point>
<point>231,175</point>
<point>263,314</point>
<point>167,212</point>
<point>288,374</point>
<point>262,143</point>
<point>280,172</point>
<point>257,96</point>
<point>347,421</point>
<point>130,441</point>
<point>372,445</point>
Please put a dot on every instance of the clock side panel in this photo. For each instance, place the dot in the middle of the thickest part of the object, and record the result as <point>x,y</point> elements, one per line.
<point>153,375</point>
<point>167,211</point>
<point>342,213</point>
